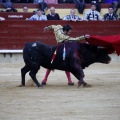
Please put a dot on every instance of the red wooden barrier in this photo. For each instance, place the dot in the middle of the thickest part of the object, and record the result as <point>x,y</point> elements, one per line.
<point>16,15</point>
<point>14,34</point>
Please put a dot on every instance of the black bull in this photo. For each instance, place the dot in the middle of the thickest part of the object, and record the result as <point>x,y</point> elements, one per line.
<point>78,56</point>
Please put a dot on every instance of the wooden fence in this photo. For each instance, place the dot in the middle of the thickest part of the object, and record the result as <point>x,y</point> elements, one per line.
<point>14,34</point>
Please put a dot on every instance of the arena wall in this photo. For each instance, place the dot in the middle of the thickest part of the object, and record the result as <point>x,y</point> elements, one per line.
<point>14,34</point>
<point>18,58</point>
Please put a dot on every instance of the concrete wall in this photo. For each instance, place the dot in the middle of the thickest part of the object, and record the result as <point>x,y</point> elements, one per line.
<point>18,58</point>
<point>11,58</point>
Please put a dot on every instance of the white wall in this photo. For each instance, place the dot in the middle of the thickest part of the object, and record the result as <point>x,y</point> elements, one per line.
<point>18,58</point>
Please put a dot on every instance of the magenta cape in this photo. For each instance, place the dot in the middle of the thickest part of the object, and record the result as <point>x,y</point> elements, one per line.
<point>111,43</point>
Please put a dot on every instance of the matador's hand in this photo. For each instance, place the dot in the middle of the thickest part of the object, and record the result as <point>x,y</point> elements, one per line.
<point>87,36</point>
<point>45,29</point>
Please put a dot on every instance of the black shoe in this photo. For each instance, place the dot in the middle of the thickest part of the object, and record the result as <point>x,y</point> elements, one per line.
<point>71,84</point>
<point>43,83</point>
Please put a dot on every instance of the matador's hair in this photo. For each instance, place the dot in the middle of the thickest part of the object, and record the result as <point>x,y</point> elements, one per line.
<point>67,28</point>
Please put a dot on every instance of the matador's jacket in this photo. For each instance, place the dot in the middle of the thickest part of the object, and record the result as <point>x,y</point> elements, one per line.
<point>60,36</point>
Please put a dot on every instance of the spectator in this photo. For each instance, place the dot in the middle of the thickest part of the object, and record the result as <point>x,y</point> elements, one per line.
<point>25,9</point>
<point>110,15</point>
<point>53,15</point>
<point>8,4</point>
<point>2,19</point>
<point>65,1</point>
<point>4,1</point>
<point>38,1</point>
<point>8,7</point>
<point>51,1</point>
<point>115,5</point>
<point>25,1</point>
<point>72,16</point>
<point>43,7</point>
<point>92,14</point>
<point>98,4</point>
<point>38,16</point>
<point>80,4</point>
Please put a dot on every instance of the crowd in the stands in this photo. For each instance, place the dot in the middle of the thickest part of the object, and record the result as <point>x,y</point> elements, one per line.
<point>40,14</point>
<point>91,14</point>
<point>58,1</point>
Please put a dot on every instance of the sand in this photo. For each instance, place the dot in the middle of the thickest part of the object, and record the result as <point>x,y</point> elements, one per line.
<point>57,100</point>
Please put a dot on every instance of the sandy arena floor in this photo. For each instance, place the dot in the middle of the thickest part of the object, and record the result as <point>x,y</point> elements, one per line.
<point>57,100</point>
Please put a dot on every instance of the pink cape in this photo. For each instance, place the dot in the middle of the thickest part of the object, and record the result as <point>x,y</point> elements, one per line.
<point>111,43</point>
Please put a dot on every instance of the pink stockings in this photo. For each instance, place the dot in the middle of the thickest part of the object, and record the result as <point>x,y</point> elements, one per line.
<point>46,75</point>
<point>69,77</point>
<point>48,72</point>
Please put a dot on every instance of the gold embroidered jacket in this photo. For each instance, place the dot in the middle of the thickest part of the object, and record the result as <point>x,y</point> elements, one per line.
<point>60,36</point>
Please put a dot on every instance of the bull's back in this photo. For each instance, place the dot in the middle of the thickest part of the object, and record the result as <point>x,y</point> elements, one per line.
<point>38,52</point>
<point>39,47</point>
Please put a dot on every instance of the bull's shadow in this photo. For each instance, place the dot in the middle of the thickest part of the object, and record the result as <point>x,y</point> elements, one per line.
<point>78,56</point>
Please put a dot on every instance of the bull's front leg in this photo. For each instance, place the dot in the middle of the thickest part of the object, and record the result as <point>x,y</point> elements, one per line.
<point>79,74</point>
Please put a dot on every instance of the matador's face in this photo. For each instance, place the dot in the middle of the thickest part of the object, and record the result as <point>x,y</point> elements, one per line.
<point>67,33</point>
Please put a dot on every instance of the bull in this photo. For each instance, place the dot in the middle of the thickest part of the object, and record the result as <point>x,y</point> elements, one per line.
<point>78,56</point>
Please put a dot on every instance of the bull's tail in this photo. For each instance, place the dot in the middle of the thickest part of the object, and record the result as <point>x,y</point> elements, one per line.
<point>27,58</point>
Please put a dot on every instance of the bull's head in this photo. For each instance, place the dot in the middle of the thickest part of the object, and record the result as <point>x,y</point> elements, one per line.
<point>102,56</point>
<point>93,54</point>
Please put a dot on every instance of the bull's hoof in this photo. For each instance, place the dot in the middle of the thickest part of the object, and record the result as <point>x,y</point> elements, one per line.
<point>21,86</point>
<point>87,85</point>
<point>79,84</point>
<point>43,83</point>
<point>71,84</point>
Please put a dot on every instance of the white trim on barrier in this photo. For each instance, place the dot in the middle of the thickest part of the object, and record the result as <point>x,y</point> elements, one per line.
<point>11,51</point>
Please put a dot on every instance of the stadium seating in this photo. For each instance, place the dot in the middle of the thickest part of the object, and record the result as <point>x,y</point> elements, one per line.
<point>62,9</point>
